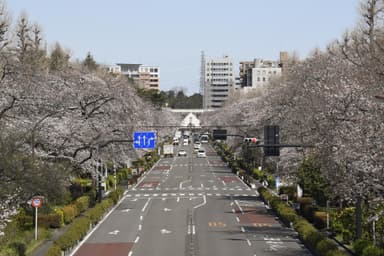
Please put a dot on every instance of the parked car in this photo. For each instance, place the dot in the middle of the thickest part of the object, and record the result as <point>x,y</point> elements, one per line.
<point>182,152</point>
<point>201,153</point>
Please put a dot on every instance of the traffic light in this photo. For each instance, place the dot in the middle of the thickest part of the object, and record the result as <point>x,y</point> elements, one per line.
<point>251,140</point>
<point>219,134</point>
<point>271,137</point>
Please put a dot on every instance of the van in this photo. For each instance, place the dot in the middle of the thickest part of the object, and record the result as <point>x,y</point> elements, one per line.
<point>204,139</point>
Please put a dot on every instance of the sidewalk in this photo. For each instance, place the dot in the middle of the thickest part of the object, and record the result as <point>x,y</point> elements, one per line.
<point>44,246</point>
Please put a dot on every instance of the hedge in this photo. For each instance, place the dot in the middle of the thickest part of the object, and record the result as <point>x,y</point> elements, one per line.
<point>310,236</point>
<point>80,226</point>
<point>82,203</point>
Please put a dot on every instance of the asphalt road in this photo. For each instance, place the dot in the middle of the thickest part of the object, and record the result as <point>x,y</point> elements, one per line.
<point>191,206</point>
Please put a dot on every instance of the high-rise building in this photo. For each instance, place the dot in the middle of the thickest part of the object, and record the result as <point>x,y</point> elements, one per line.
<point>217,80</point>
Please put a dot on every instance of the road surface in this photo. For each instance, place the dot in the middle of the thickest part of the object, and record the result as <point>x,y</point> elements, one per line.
<point>191,206</point>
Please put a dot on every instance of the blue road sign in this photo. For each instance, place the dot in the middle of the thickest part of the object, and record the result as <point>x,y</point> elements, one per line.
<point>144,140</point>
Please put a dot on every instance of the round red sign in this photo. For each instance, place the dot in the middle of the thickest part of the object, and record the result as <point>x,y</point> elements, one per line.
<point>36,202</point>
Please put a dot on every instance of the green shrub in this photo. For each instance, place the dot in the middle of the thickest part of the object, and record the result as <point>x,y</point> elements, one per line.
<point>289,190</point>
<point>50,221</point>
<point>76,231</point>
<point>116,195</point>
<point>54,250</point>
<point>19,247</point>
<point>325,245</point>
<point>82,203</point>
<point>70,212</point>
<point>360,245</point>
<point>372,250</point>
<point>320,219</point>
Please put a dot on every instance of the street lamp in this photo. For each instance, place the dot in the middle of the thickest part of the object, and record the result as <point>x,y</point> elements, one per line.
<point>114,170</point>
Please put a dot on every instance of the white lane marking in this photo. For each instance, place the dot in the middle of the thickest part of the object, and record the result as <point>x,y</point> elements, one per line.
<point>164,231</point>
<point>189,230</point>
<point>203,203</point>
<point>178,199</point>
<point>146,204</point>
<point>126,210</point>
<point>242,229</point>
<point>130,253</point>
<point>237,218</point>
<point>141,217</point>
<point>223,183</point>
<point>231,203</point>
<point>202,185</point>
<point>115,232</point>
<point>129,195</point>
<point>137,239</point>
<point>155,194</point>
<point>193,230</point>
<point>140,227</point>
<point>167,210</point>
<point>249,242</point>
<point>238,205</point>
<point>163,199</point>
<point>233,210</point>
<point>181,183</point>
<point>146,195</point>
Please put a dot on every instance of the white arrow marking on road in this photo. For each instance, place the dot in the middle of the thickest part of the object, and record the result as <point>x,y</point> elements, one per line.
<point>114,232</point>
<point>167,210</point>
<point>164,231</point>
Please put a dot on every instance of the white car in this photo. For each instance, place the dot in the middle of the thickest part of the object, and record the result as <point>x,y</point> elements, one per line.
<point>182,152</point>
<point>201,153</point>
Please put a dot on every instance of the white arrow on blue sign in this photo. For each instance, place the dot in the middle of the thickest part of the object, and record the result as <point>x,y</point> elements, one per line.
<point>144,140</point>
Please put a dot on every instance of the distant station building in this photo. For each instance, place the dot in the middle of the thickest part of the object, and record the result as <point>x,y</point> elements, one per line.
<point>147,77</point>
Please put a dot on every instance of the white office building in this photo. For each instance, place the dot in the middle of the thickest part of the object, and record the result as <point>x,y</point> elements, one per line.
<point>217,81</point>
<point>263,72</point>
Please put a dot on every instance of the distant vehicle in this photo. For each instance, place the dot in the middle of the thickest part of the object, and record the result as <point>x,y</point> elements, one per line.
<point>178,134</point>
<point>182,152</point>
<point>168,150</point>
<point>201,153</point>
<point>175,141</point>
<point>185,142</point>
<point>196,146</point>
<point>204,138</point>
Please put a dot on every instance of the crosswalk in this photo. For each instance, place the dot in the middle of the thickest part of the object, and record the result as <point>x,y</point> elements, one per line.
<point>192,189</point>
<point>195,165</point>
<point>186,195</point>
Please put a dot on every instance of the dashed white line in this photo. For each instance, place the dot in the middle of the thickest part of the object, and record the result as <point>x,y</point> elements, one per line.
<point>141,217</point>
<point>193,230</point>
<point>249,242</point>
<point>137,239</point>
<point>233,210</point>
<point>178,199</point>
<point>242,229</point>
<point>140,227</point>
<point>130,253</point>
<point>237,218</point>
<point>146,204</point>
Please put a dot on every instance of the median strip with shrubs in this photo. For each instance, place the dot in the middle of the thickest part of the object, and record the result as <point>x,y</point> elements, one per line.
<point>311,237</point>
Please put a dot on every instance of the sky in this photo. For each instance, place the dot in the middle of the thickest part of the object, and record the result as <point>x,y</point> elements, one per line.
<point>172,34</point>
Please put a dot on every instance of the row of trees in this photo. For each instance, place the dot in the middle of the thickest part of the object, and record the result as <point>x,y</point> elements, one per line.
<point>332,100</point>
<point>57,116</point>
<point>172,99</point>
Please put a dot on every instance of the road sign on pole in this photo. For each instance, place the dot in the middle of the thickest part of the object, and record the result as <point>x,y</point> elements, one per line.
<point>144,140</point>
<point>36,202</point>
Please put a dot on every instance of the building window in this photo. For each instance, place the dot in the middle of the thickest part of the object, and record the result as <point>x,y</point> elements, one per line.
<point>263,79</point>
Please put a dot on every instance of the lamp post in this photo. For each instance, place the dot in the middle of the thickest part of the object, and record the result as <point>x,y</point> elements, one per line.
<point>114,170</point>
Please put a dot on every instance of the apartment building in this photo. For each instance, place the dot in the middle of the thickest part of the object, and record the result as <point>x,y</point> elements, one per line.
<point>147,77</point>
<point>259,72</point>
<point>217,80</point>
